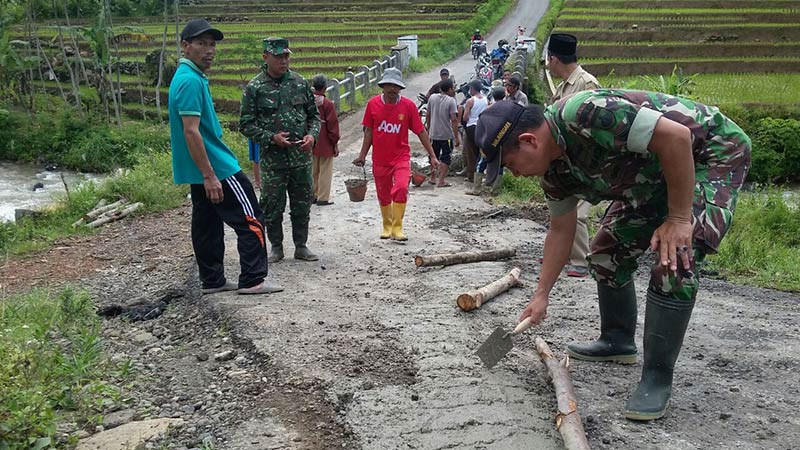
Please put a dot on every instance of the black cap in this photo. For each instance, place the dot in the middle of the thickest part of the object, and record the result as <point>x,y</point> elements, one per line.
<point>494,127</point>
<point>444,71</point>
<point>197,27</point>
<point>562,44</point>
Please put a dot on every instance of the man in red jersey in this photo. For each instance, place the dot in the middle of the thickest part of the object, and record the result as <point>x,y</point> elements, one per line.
<point>387,120</point>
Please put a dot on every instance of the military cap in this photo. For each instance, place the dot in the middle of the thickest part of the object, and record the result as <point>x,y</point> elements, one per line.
<point>197,27</point>
<point>494,127</point>
<point>562,44</point>
<point>276,45</point>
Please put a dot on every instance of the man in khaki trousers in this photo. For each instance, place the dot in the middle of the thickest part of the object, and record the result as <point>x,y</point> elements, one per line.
<point>327,146</point>
<point>562,60</point>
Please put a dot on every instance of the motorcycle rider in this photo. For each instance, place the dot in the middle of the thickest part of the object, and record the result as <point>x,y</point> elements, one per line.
<point>476,36</point>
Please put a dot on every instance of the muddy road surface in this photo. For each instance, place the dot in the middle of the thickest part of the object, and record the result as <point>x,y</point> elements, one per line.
<point>365,351</point>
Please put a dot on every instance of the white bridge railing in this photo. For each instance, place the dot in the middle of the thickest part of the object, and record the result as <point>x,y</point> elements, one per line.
<point>342,92</point>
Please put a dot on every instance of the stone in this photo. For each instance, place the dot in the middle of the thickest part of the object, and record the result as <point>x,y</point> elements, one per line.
<point>143,338</point>
<point>130,436</point>
<point>202,356</point>
<point>117,418</point>
<point>227,355</point>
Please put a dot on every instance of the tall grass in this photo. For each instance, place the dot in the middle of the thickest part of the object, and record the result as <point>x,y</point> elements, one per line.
<point>763,245</point>
<point>51,365</point>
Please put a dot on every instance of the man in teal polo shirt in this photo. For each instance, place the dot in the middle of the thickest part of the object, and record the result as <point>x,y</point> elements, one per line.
<point>221,192</point>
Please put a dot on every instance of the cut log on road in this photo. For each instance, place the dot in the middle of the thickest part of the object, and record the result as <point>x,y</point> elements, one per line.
<point>568,421</point>
<point>463,257</point>
<point>474,299</point>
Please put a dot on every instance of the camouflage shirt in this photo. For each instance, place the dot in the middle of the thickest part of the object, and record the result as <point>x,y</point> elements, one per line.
<point>605,134</point>
<point>271,106</point>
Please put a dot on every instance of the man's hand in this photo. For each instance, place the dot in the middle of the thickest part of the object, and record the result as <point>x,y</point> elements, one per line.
<point>213,189</point>
<point>536,310</point>
<point>308,143</point>
<point>282,139</point>
<point>673,240</point>
<point>336,150</point>
<point>434,163</point>
<point>359,161</point>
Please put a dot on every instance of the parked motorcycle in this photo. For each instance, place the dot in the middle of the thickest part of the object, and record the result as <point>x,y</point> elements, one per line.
<point>422,107</point>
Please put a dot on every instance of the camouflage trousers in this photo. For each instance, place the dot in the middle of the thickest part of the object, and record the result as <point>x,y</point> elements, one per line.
<point>275,184</point>
<point>625,233</point>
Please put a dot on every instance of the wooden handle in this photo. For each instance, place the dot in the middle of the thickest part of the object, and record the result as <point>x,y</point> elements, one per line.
<point>522,326</point>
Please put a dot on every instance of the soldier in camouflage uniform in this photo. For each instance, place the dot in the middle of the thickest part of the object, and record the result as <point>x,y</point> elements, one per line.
<point>279,114</point>
<point>672,169</point>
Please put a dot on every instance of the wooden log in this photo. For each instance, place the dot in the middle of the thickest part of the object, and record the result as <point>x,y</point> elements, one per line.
<point>568,421</point>
<point>115,215</point>
<point>103,209</point>
<point>474,299</point>
<point>463,257</point>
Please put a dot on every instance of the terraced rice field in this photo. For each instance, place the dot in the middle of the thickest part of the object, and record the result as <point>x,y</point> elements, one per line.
<point>735,45</point>
<point>326,37</point>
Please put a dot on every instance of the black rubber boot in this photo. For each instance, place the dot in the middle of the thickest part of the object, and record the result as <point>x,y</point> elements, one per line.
<point>275,253</point>
<point>300,237</point>
<point>617,327</point>
<point>665,323</point>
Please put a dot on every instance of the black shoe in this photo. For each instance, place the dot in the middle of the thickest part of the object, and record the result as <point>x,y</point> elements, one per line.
<point>313,201</point>
<point>665,322</point>
<point>617,327</point>
<point>323,203</point>
<point>275,254</point>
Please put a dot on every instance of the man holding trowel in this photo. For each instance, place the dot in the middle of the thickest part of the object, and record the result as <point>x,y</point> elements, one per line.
<point>672,169</point>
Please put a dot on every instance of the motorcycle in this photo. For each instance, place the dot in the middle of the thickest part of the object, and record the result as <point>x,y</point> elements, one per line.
<point>483,69</point>
<point>422,107</point>
<point>478,48</point>
<point>498,59</point>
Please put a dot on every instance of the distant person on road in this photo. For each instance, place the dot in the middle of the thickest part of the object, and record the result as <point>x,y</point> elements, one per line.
<point>562,61</point>
<point>387,121</point>
<point>476,36</point>
<point>672,169</point>
<point>442,124</point>
<point>474,106</point>
<point>221,193</point>
<point>327,146</point>
<point>279,113</point>
<point>444,74</point>
<point>514,92</point>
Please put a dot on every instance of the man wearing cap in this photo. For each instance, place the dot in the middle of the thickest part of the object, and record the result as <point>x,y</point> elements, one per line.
<point>387,121</point>
<point>221,193</point>
<point>562,61</point>
<point>279,113</point>
<point>672,169</point>
<point>514,91</point>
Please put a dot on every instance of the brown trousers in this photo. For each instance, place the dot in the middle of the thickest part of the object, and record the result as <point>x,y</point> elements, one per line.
<point>322,174</point>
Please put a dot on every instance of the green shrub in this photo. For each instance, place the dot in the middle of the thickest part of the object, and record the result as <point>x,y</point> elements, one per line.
<point>776,150</point>
<point>517,190</point>
<point>51,360</point>
<point>763,245</point>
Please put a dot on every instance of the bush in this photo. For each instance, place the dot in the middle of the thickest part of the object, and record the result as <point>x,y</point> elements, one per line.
<point>85,144</point>
<point>776,150</point>
<point>763,245</point>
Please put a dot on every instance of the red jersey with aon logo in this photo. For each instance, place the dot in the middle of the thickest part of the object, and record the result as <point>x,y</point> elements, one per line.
<point>390,123</point>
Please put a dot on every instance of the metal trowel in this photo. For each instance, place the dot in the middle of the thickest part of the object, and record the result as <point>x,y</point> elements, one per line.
<point>500,343</point>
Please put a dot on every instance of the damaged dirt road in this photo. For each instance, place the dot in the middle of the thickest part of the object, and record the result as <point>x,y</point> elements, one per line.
<point>365,351</point>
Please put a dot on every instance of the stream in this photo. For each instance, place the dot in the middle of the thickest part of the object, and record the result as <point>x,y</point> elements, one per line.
<point>17,182</point>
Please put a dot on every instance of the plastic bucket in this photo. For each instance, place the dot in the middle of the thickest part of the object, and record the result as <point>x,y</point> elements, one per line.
<point>417,179</point>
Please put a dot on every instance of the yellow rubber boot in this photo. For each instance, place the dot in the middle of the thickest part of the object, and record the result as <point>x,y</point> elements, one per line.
<point>386,213</point>
<point>398,211</point>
